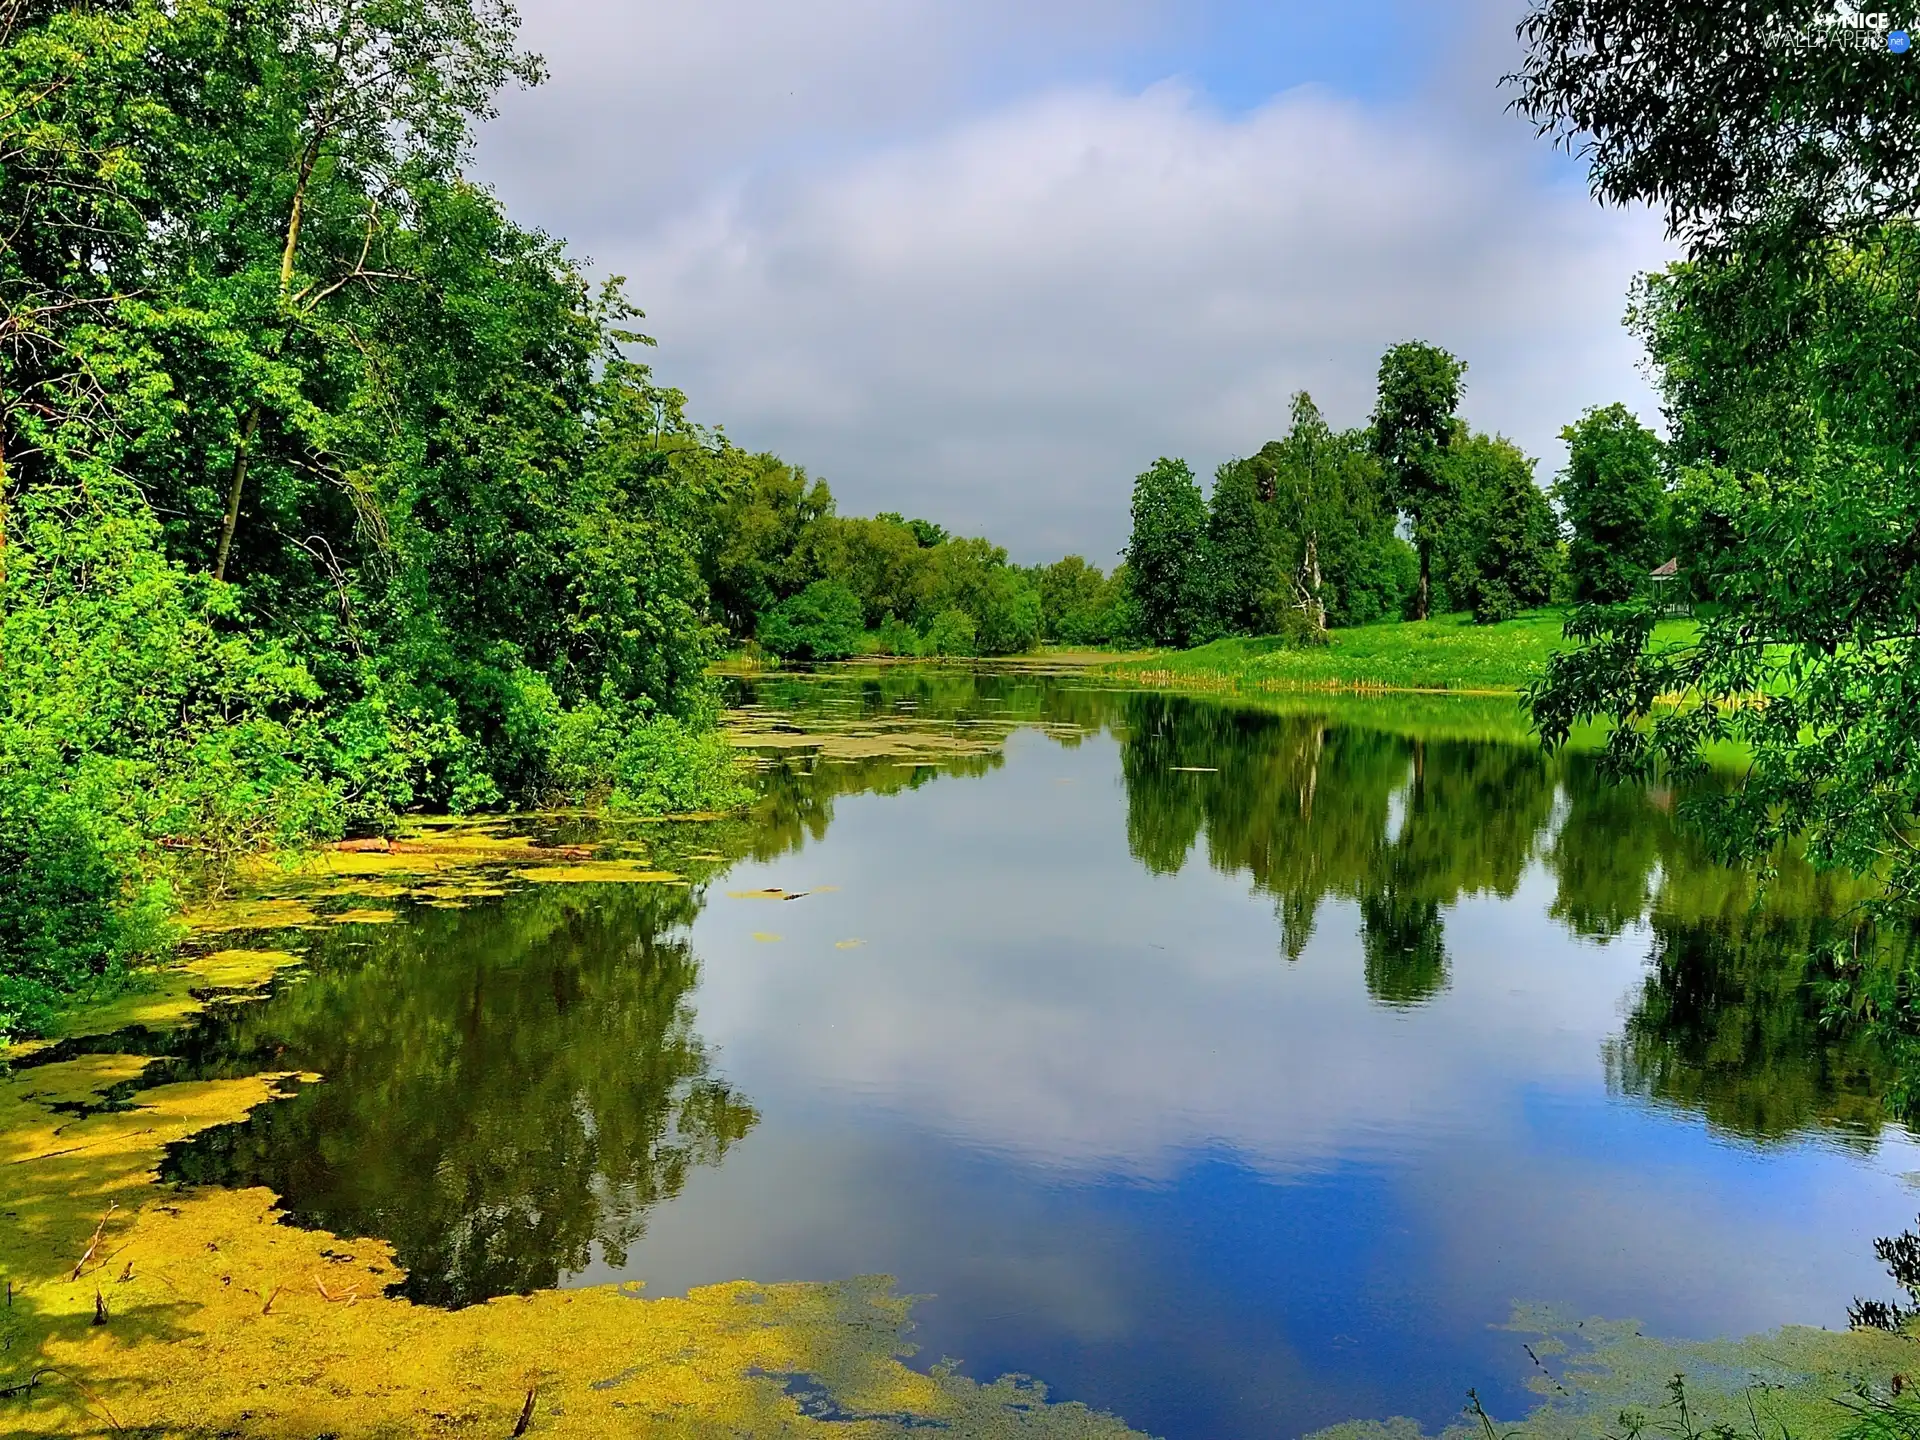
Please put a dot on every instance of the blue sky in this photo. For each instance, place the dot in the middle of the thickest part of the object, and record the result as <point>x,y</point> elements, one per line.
<point>984,260</point>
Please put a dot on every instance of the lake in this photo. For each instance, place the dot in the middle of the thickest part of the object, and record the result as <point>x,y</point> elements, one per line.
<point>1233,1068</point>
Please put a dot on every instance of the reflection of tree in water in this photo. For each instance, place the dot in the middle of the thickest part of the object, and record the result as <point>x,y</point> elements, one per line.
<point>1304,808</point>
<point>1405,949</point>
<point>506,1088</point>
<point>1405,817</point>
<point>1728,1022</point>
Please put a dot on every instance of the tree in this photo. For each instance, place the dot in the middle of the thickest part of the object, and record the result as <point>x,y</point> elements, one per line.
<point>1413,420</point>
<point>1502,548</point>
<point>951,632</point>
<point>762,540</point>
<point>326,491</point>
<point>1165,560</point>
<point>1614,497</point>
<point>1246,581</point>
<point>374,98</point>
<point>1784,348</point>
<point>1076,602</point>
<point>1008,621</point>
<point>822,622</point>
<point>1334,524</point>
<point>1760,126</point>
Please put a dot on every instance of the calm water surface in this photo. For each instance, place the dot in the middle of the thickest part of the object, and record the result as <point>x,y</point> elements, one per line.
<point>1231,1070</point>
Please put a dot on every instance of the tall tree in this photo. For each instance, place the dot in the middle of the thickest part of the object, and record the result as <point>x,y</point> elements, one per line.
<point>1505,534</point>
<point>1333,520</point>
<point>1614,497</point>
<point>1165,553</point>
<point>1785,348</point>
<point>1413,419</point>
<point>374,98</point>
<point>1247,581</point>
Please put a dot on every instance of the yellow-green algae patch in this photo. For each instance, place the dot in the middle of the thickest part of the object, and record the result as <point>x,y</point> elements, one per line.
<point>604,872</point>
<point>1606,1378</point>
<point>362,916</point>
<point>259,913</point>
<point>220,1321</point>
<point>167,996</point>
<point>141,1308</point>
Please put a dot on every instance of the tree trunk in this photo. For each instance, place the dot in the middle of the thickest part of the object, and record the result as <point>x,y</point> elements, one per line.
<point>241,446</point>
<point>1426,583</point>
<point>1313,582</point>
<point>252,425</point>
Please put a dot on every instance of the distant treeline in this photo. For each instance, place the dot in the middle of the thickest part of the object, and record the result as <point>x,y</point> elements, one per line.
<point>807,583</point>
<point>1412,514</point>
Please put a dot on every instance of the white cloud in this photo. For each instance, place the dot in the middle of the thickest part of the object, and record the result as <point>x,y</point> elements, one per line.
<point>1000,318</point>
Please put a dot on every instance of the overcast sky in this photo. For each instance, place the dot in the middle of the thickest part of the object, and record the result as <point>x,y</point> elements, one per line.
<point>983,260</point>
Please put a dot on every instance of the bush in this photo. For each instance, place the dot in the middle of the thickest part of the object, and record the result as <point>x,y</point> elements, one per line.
<point>73,916</point>
<point>823,622</point>
<point>1009,623</point>
<point>143,733</point>
<point>1493,602</point>
<point>892,637</point>
<point>951,633</point>
<point>640,764</point>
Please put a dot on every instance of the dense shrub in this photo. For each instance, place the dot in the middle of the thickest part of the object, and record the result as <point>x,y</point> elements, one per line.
<point>951,633</point>
<point>822,622</point>
<point>636,763</point>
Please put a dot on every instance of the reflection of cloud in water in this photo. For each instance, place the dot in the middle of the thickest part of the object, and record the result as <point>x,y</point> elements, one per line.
<point>1032,992</point>
<point>1108,1019</point>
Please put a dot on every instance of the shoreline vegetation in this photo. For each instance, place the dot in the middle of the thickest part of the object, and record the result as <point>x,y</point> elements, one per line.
<point>137,1306</point>
<point>1448,654</point>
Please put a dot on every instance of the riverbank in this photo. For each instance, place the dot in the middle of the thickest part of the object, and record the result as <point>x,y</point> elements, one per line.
<point>1446,653</point>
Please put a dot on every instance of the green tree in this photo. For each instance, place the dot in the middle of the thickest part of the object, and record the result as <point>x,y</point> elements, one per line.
<point>1413,423</point>
<point>1165,554</point>
<point>1614,497</point>
<point>1247,582</point>
<point>822,622</point>
<point>1333,521</point>
<point>1749,146</point>
<point>1009,619</point>
<point>951,632</point>
<point>1501,551</point>
<point>1785,355</point>
<point>1076,602</point>
<point>326,491</point>
<point>762,540</point>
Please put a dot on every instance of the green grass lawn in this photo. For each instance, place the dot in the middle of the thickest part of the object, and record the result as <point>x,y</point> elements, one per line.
<point>1448,652</point>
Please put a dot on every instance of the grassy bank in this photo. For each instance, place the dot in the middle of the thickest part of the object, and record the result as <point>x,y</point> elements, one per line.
<point>1448,652</point>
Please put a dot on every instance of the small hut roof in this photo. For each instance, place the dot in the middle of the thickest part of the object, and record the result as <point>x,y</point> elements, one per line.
<point>1668,570</point>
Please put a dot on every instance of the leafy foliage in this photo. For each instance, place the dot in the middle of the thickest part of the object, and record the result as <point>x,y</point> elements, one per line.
<point>1800,130</point>
<point>822,622</point>
<point>1413,421</point>
<point>1788,375</point>
<point>1166,565</point>
<point>1501,547</point>
<point>1614,495</point>
<point>325,490</point>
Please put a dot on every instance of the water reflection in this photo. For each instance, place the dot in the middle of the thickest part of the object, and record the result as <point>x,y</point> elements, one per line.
<point>506,1090</point>
<point>1233,1068</point>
